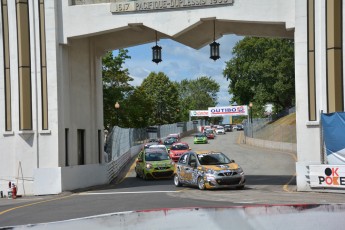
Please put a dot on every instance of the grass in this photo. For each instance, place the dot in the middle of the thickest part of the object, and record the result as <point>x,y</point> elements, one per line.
<point>281,130</point>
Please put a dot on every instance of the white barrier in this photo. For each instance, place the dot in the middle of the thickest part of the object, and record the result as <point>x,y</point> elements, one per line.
<point>245,218</point>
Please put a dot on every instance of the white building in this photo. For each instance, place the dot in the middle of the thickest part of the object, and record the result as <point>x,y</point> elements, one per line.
<point>51,116</point>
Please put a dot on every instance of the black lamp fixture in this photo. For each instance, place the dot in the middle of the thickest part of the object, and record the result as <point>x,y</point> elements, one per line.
<point>156,53</point>
<point>214,46</point>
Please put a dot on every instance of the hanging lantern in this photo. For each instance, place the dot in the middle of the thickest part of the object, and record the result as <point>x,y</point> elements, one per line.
<point>214,51</point>
<point>156,53</point>
<point>214,46</point>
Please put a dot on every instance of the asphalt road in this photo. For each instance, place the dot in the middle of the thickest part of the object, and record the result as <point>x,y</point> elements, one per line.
<point>270,180</point>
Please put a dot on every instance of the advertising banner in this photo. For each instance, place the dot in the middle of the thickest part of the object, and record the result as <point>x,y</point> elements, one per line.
<point>333,127</point>
<point>327,176</point>
<point>198,113</point>
<point>241,110</point>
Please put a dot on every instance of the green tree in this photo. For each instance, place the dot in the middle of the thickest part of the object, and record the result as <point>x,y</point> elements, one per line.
<point>262,71</point>
<point>198,94</point>
<point>163,95</point>
<point>116,85</point>
<point>136,109</point>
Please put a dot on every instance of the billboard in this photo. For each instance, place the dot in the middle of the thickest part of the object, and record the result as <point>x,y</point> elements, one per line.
<point>240,110</point>
<point>327,176</point>
<point>198,113</point>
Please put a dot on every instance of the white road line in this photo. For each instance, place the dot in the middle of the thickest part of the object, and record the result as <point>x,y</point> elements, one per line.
<point>114,193</point>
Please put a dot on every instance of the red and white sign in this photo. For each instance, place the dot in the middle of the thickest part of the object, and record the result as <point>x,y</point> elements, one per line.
<point>327,176</point>
<point>198,113</point>
<point>241,110</point>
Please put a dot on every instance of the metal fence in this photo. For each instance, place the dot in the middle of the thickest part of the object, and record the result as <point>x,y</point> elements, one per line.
<point>120,141</point>
<point>278,133</point>
<point>260,128</point>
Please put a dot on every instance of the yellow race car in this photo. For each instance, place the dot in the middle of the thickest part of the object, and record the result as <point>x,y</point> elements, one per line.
<point>208,170</point>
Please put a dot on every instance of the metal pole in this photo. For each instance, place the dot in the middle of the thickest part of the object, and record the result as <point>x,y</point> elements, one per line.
<point>251,120</point>
<point>117,117</point>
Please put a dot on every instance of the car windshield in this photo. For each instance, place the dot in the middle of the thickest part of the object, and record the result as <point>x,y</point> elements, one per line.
<point>158,147</point>
<point>179,147</point>
<point>156,156</point>
<point>209,131</point>
<point>213,159</point>
<point>170,141</point>
<point>199,135</point>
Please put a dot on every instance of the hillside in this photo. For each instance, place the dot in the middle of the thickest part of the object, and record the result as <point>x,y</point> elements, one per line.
<point>281,130</point>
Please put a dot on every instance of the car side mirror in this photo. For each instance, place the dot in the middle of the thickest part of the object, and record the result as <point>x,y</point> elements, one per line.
<point>140,160</point>
<point>232,161</point>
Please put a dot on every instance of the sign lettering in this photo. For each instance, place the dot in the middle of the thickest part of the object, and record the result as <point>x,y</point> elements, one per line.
<point>241,110</point>
<point>145,5</point>
<point>327,176</point>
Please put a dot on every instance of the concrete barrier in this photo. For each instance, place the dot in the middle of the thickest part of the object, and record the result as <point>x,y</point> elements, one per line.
<point>245,218</point>
<point>281,146</point>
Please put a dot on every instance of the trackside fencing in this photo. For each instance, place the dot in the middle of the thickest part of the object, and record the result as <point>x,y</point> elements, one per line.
<point>122,144</point>
<point>261,133</point>
<point>261,129</point>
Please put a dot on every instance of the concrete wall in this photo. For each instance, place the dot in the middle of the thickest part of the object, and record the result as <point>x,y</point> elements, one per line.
<point>244,218</point>
<point>282,146</point>
<point>57,180</point>
<point>108,27</point>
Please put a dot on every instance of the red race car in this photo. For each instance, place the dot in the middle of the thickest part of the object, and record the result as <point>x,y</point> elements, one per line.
<point>209,133</point>
<point>177,149</point>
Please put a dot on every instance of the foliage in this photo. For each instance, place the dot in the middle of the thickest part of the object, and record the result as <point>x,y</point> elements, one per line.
<point>262,72</point>
<point>198,94</point>
<point>116,85</point>
<point>138,108</point>
<point>163,96</point>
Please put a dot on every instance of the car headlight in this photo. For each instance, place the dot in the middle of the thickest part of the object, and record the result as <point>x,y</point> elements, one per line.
<point>239,170</point>
<point>148,165</point>
<point>210,171</point>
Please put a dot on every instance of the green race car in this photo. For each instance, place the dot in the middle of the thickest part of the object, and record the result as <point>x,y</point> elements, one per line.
<point>154,164</point>
<point>200,138</point>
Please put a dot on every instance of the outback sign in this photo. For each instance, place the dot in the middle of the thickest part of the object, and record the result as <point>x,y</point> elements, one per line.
<point>145,5</point>
<point>241,110</point>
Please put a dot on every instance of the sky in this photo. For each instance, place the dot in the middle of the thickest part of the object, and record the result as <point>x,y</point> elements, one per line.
<point>182,62</point>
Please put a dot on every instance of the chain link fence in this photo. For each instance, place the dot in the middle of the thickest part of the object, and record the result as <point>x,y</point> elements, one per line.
<point>278,133</point>
<point>124,143</point>
<point>264,129</point>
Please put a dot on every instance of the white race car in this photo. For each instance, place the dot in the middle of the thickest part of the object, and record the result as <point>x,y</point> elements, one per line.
<point>220,130</point>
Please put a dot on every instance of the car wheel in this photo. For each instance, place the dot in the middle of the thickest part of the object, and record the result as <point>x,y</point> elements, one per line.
<point>201,183</point>
<point>144,176</point>
<point>177,181</point>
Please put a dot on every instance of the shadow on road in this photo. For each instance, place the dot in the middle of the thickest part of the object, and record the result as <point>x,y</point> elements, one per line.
<point>270,180</point>
<point>140,184</point>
